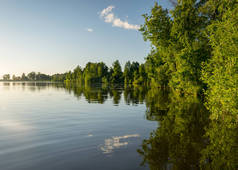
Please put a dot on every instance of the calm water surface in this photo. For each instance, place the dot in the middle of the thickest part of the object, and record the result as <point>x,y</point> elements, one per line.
<point>45,126</point>
<point>70,127</point>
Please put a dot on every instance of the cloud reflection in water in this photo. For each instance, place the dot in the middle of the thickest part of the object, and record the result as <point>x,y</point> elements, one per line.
<point>115,143</point>
<point>14,125</point>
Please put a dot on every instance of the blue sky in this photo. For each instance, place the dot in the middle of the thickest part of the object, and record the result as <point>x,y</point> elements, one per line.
<point>53,36</point>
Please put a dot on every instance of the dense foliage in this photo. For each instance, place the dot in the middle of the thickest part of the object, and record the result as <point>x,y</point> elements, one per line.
<point>195,51</point>
<point>134,73</point>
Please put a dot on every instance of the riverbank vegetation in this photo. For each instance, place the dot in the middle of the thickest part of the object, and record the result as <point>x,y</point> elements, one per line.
<point>195,51</point>
<point>93,73</point>
<point>32,76</point>
<point>134,73</point>
<point>194,54</point>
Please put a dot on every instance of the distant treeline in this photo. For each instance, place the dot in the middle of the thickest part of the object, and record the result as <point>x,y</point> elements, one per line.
<point>134,73</point>
<point>32,76</point>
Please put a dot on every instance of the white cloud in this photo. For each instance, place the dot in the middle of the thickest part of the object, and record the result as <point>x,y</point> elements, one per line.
<point>109,17</point>
<point>106,10</point>
<point>89,29</point>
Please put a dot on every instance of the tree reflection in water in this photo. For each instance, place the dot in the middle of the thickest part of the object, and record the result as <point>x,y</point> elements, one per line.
<point>186,138</point>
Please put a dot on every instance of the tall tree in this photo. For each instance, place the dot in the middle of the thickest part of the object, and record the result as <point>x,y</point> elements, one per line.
<point>127,72</point>
<point>6,77</point>
<point>117,75</point>
<point>24,77</point>
<point>178,45</point>
<point>32,76</point>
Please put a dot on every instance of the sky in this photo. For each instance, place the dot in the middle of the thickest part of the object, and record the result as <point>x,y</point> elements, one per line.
<point>54,36</point>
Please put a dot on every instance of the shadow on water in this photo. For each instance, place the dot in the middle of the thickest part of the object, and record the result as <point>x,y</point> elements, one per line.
<point>186,138</point>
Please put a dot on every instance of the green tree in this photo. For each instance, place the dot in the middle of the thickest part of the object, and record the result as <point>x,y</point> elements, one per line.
<point>220,71</point>
<point>14,77</point>
<point>31,76</point>
<point>127,73</point>
<point>59,77</point>
<point>178,46</point>
<point>140,77</point>
<point>78,75</point>
<point>42,77</point>
<point>117,75</point>
<point>24,77</point>
<point>6,77</point>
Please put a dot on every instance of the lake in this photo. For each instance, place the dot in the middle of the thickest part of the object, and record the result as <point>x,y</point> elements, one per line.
<point>46,126</point>
<point>67,127</point>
